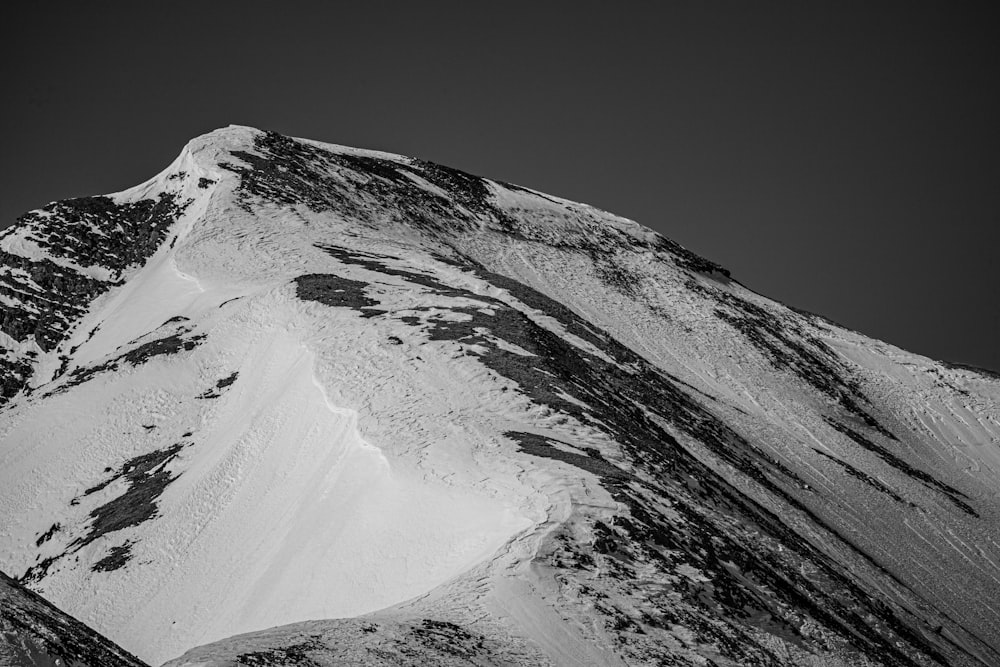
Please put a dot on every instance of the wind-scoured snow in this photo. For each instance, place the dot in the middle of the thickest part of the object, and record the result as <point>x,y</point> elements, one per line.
<point>277,505</point>
<point>478,425</point>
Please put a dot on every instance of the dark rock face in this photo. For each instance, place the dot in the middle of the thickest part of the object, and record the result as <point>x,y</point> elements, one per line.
<point>96,231</point>
<point>34,633</point>
<point>954,495</point>
<point>434,199</point>
<point>116,559</point>
<point>145,477</point>
<point>222,384</point>
<point>290,172</point>
<point>47,298</point>
<point>791,349</point>
<point>14,375</point>
<point>51,297</point>
<point>167,345</point>
<point>333,290</point>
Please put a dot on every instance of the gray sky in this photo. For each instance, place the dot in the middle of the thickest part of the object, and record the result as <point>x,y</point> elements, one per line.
<point>840,157</point>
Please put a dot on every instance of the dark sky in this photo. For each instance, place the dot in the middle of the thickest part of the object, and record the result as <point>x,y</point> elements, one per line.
<point>841,157</point>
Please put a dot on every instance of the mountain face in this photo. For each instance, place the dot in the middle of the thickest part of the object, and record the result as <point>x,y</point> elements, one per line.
<point>33,633</point>
<point>296,403</point>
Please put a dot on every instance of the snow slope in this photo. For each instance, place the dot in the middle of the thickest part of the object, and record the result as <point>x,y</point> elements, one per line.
<point>479,424</point>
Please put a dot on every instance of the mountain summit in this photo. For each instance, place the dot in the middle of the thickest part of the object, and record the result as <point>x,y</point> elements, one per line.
<point>294,403</point>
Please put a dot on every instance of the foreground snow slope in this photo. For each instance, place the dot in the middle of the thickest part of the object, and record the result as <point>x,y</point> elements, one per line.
<point>286,381</point>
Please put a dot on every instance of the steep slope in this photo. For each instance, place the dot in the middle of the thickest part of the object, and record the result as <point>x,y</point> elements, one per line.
<point>33,633</point>
<point>500,427</point>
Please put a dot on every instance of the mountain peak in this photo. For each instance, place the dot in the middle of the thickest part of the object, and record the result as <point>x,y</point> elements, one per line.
<point>286,381</point>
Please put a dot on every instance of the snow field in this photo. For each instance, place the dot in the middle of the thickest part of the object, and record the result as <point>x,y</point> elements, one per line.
<point>281,512</point>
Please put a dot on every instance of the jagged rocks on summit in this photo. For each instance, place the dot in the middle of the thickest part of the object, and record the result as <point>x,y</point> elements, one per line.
<point>295,403</point>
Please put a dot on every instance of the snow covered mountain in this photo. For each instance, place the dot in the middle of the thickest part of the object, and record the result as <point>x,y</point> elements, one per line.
<point>295,403</point>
